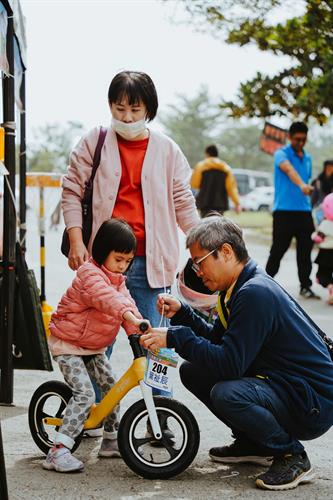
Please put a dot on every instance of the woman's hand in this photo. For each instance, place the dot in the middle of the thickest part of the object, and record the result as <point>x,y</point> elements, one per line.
<point>155,339</point>
<point>170,303</point>
<point>78,252</point>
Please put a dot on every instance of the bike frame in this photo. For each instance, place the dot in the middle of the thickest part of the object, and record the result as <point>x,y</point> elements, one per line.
<point>131,378</point>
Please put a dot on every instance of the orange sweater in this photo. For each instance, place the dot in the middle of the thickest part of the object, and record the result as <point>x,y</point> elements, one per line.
<point>129,202</point>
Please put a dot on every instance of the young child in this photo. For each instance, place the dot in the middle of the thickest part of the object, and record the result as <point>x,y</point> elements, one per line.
<point>324,237</point>
<point>86,321</point>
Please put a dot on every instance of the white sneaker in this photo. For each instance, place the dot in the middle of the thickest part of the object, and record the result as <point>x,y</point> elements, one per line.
<point>109,448</point>
<point>61,460</point>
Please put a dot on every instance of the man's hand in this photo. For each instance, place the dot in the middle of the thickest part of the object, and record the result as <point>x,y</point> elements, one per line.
<point>170,303</point>
<point>307,189</point>
<point>155,339</point>
<point>238,209</point>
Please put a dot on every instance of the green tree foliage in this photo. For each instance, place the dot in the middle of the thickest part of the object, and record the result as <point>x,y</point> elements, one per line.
<point>51,148</point>
<point>302,90</point>
<point>192,124</point>
<point>195,123</point>
<point>239,146</point>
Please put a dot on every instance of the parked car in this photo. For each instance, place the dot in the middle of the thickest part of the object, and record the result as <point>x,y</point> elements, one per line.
<point>259,199</point>
<point>247,180</point>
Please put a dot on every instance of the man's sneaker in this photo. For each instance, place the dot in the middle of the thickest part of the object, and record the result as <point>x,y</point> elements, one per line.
<point>286,473</point>
<point>61,460</point>
<point>166,432</point>
<point>239,452</point>
<point>109,448</point>
<point>307,293</point>
<point>94,433</point>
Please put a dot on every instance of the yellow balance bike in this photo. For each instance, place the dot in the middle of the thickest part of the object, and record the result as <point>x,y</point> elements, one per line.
<point>156,453</point>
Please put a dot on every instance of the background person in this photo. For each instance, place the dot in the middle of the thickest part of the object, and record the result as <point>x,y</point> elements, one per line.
<point>292,215</point>
<point>323,185</point>
<point>262,368</point>
<point>216,184</point>
<point>324,237</point>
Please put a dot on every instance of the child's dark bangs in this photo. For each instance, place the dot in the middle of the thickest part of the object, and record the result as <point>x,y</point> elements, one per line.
<point>126,243</point>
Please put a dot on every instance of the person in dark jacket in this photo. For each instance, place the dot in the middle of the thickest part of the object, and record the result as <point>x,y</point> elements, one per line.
<point>216,184</point>
<point>262,368</point>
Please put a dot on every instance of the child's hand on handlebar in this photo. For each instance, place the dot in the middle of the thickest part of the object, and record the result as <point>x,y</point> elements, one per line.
<point>168,305</point>
<point>140,323</point>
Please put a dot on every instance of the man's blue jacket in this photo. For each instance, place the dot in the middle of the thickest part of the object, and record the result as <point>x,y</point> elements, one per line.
<point>268,334</point>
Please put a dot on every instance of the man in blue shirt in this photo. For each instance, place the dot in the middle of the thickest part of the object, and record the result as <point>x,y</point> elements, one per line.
<point>262,367</point>
<point>292,208</point>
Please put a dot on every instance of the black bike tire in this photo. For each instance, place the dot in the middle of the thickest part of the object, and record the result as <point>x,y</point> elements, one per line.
<point>53,387</point>
<point>168,471</point>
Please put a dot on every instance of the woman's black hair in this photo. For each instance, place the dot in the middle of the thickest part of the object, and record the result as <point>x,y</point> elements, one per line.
<point>113,235</point>
<point>136,86</point>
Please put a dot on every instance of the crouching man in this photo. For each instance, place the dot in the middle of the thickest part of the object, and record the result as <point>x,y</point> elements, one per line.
<point>262,368</point>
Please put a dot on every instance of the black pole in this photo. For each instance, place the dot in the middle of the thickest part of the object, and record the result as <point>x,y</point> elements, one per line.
<point>23,166</point>
<point>9,225</point>
<point>3,480</point>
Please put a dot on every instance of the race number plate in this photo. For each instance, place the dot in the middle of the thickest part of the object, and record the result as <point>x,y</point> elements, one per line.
<point>161,369</point>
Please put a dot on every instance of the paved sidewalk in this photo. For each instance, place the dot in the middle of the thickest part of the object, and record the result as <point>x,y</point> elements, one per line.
<point>110,478</point>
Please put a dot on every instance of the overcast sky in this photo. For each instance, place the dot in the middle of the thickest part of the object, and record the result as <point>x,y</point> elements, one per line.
<point>76,47</point>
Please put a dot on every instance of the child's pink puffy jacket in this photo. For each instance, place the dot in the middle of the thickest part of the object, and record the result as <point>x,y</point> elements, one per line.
<point>90,313</point>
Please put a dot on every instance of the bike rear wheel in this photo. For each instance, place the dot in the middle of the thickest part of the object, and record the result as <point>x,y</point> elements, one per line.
<point>49,400</point>
<point>174,454</point>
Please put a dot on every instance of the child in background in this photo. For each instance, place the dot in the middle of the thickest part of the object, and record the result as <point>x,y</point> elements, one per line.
<point>86,321</point>
<point>324,237</point>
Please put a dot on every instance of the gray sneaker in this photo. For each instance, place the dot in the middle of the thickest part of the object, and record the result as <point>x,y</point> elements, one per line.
<point>286,473</point>
<point>109,448</point>
<point>61,460</point>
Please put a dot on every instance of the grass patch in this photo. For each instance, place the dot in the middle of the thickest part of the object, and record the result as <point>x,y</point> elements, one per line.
<point>260,221</point>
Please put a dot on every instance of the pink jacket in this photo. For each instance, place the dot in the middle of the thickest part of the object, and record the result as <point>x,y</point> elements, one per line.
<point>90,313</point>
<point>167,197</point>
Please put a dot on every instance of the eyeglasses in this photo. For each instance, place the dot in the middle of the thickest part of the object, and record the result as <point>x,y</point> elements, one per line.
<point>196,265</point>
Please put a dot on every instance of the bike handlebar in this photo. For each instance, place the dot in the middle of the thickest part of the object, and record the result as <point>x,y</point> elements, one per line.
<point>134,340</point>
<point>143,327</point>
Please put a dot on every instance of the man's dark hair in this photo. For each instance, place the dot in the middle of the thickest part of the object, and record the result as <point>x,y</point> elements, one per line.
<point>136,86</point>
<point>297,127</point>
<point>212,150</point>
<point>113,235</point>
<point>214,231</point>
<point>327,163</point>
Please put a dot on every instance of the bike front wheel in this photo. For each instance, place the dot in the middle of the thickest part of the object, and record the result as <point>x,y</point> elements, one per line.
<point>162,459</point>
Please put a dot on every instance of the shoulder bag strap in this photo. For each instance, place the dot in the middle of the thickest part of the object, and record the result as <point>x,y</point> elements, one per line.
<point>97,154</point>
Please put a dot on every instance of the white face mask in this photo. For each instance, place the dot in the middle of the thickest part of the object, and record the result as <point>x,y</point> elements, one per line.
<point>128,130</point>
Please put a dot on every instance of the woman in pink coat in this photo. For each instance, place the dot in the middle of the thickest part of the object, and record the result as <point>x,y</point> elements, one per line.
<point>143,177</point>
<point>86,321</point>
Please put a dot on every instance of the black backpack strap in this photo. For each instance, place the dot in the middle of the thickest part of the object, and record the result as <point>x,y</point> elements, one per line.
<point>97,154</point>
<point>87,195</point>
